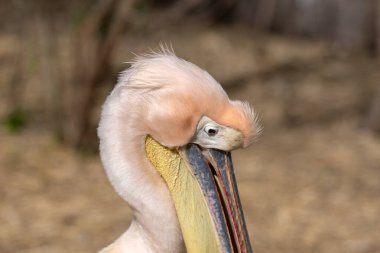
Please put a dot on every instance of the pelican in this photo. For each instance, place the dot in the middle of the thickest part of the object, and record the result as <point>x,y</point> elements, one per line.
<point>166,132</point>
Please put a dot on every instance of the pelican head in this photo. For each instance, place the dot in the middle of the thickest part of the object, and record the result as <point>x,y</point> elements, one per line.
<point>166,132</point>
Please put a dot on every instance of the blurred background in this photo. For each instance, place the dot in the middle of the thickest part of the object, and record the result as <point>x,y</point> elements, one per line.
<point>311,68</point>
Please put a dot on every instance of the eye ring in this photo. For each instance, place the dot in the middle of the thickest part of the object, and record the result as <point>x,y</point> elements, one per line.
<point>211,131</point>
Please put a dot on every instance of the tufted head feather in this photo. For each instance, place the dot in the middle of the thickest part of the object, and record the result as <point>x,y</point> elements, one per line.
<point>173,95</point>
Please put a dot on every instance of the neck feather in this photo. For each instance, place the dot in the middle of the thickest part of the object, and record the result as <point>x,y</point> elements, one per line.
<point>122,149</point>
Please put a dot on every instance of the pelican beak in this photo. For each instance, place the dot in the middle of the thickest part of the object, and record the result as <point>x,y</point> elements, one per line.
<point>205,195</point>
<point>214,172</point>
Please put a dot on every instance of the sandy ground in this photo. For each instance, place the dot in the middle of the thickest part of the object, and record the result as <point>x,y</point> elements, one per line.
<point>310,184</point>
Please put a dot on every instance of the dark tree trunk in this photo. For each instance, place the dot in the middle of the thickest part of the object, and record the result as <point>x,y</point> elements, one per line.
<point>373,121</point>
<point>93,49</point>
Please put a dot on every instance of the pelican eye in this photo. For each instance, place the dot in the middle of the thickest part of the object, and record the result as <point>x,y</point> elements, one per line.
<point>211,131</point>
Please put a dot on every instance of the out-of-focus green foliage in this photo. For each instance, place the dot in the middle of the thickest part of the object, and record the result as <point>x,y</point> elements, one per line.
<point>76,18</point>
<point>143,6</point>
<point>15,121</point>
<point>106,24</point>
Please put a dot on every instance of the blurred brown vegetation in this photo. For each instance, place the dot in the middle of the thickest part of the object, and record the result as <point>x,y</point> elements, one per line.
<point>310,67</point>
<point>74,44</point>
